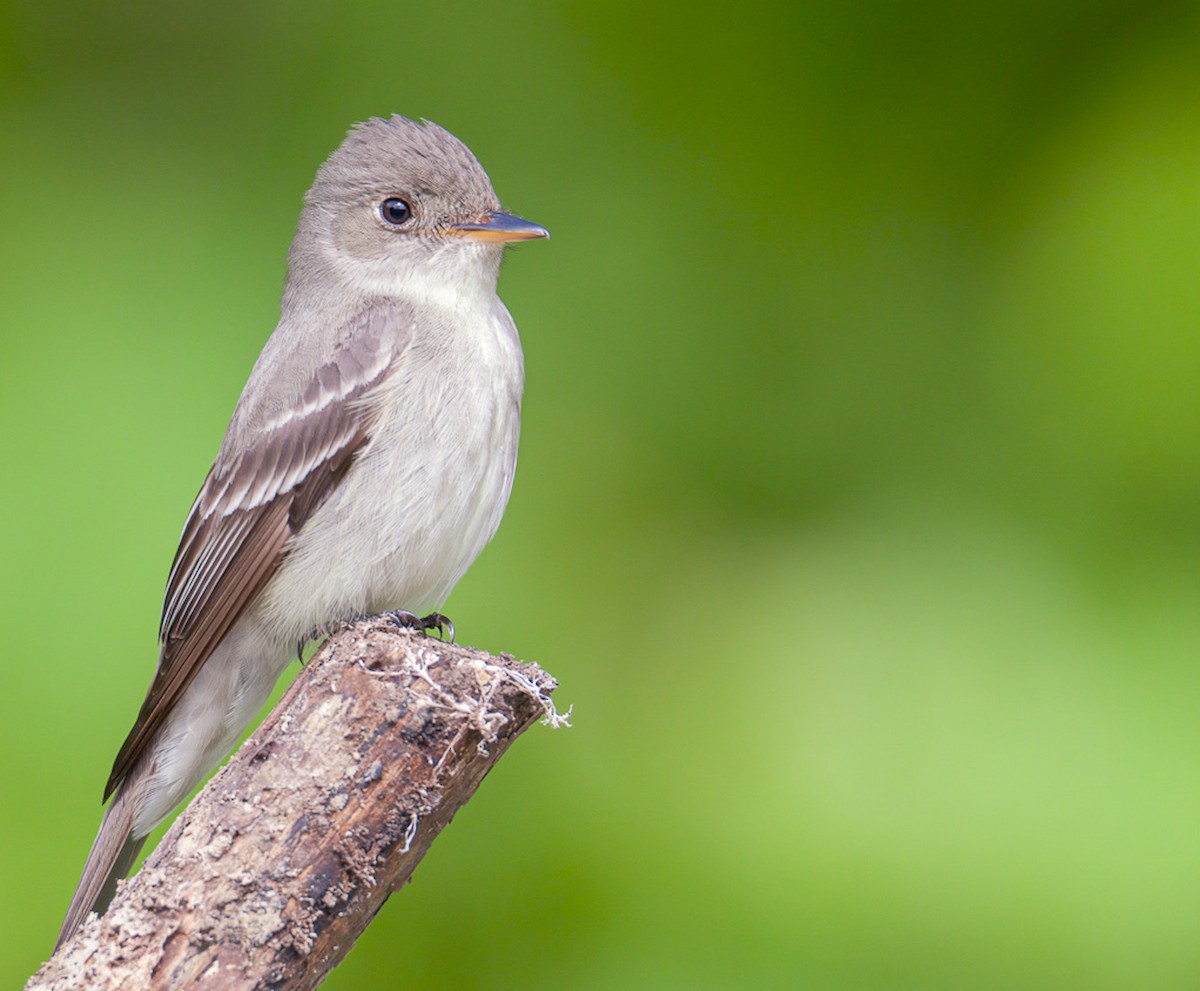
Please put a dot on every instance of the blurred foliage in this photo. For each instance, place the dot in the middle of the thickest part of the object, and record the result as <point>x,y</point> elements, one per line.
<point>858,501</point>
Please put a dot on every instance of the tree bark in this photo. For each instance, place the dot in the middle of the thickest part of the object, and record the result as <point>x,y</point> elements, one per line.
<point>275,869</point>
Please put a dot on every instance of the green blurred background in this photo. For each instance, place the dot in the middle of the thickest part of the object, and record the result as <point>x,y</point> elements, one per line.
<point>858,510</point>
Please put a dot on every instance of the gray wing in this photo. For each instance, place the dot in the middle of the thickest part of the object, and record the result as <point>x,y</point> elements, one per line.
<point>253,501</point>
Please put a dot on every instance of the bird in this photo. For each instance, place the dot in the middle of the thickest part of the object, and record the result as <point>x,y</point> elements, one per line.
<point>367,462</point>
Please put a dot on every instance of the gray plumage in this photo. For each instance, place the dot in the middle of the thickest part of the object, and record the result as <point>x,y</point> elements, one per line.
<point>368,460</point>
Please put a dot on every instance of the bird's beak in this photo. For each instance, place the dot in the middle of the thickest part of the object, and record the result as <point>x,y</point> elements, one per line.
<point>501,227</point>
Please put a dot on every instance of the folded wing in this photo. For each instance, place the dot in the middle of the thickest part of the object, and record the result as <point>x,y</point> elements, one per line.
<point>254,500</point>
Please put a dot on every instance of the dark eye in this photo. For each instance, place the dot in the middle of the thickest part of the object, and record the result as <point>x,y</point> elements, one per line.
<point>394,211</point>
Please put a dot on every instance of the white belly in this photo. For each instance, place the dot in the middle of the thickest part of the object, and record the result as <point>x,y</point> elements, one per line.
<point>424,495</point>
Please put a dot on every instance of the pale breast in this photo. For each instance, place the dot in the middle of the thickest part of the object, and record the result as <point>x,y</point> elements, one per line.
<point>427,492</point>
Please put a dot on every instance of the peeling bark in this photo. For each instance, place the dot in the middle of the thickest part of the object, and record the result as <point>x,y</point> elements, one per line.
<point>275,869</point>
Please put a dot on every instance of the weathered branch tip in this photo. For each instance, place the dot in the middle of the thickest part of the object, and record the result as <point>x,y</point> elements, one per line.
<point>280,863</point>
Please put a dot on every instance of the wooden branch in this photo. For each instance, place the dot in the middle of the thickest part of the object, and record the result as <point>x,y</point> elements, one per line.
<point>275,869</point>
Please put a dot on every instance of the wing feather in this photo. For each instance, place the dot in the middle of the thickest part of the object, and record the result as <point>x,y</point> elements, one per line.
<point>253,502</point>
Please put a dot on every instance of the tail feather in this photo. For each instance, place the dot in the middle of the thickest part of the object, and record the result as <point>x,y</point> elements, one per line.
<point>111,857</point>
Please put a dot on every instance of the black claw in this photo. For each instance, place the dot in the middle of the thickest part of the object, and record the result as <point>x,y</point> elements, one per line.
<point>404,619</point>
<point>434,621</point>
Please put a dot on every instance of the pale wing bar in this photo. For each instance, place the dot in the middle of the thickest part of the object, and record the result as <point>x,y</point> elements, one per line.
<point>239,526</point>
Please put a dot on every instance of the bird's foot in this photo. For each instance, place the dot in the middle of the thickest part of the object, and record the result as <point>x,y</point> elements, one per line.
<point>434,621</point>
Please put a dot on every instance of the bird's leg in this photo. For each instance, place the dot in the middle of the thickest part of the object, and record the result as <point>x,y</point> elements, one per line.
<point>434,621</point>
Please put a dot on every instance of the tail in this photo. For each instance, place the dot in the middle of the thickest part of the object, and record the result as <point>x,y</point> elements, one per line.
<point>112,855</point>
